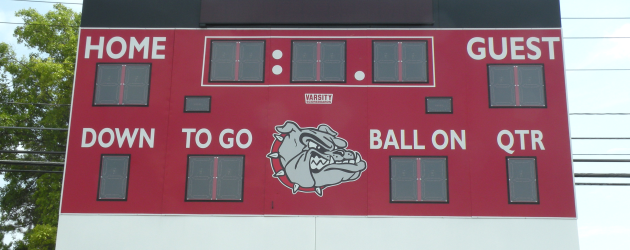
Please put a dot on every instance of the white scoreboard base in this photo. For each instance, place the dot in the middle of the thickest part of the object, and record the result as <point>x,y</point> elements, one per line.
<point>133,231</point>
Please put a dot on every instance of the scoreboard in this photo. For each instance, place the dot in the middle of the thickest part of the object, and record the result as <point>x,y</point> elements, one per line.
<point>308,137</point>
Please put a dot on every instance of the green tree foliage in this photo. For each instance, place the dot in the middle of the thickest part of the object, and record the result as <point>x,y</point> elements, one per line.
<point>29,202</point>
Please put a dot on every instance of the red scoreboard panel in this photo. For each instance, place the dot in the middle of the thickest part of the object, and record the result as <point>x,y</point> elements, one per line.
<point>392,123</point>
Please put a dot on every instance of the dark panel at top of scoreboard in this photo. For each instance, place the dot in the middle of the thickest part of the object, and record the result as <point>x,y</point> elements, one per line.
<point>141,13</point>
<point>324,13</point>
<point>316,12</point>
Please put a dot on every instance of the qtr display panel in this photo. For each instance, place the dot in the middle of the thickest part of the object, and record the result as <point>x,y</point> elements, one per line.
<point>325,147</point>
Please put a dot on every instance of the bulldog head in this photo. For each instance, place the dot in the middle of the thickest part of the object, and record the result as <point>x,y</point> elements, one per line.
<point>314,157</point>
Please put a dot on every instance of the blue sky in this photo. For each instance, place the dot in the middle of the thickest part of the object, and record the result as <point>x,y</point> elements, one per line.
<point>603,221</point>
<point>590,45</point>
<point>7,14</point>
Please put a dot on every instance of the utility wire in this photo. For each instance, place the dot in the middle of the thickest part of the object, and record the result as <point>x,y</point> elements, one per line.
<point>30,171</point>
<point>591,69</point>
<point>32,163</point>
<point>35,128</point>
<point>601,154</point>
<point>601,160</point>
<point>602,184</point>
<point>31,152</point>
<point>606,175</point>
<point>595,37</point>
<point>39,166</point>
<point>17,61</point>
<point>23,103</point>
<point>599,113</point>
<point>595,18</point>
<point>600,138</point>
<point>35,1</point>
<point>57,25</point>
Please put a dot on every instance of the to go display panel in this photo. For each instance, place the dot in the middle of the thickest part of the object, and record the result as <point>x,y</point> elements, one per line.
<point>214,178</point>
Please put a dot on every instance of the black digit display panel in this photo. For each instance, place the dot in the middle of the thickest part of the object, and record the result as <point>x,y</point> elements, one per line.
<point>432,13</point>
<point>214,178</point>
<point>114,177</point>
<point>418,179</point>
<point>316,12</point>
<point>122,84</point>
<point>237,61</point>
<point>400,61</point>
<point>516,86</point>
<point>318,61</point>
<point>522,180</point>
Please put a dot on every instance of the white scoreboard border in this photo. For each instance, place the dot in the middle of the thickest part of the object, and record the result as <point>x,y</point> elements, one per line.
<point>166,232</point>
<point>205,45</point>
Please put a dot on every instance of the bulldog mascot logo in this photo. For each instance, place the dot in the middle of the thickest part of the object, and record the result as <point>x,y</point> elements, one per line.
<point>311,159</point>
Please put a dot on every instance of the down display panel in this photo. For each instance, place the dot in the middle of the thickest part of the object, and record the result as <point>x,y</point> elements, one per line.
<point>321,122</point>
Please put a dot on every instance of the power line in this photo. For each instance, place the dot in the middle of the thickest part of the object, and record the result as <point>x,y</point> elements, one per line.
<point>35,1</point>
<point>599,113</point>
<point>40,24</point>
<point>23,103</point>
<point>16,61</point>
<point>36,128</point>
<point>591,69</point>
<point>31,152</point>
<point>600,138</point>
<point>595,18</point>
<point>595,37</point>
<point>607,175</point>
<point>601,154</point>
<point>39,166</point>
<point>30,171</point>
<point>32,163</point>
<point>601,160</point>
<point>603,184</point>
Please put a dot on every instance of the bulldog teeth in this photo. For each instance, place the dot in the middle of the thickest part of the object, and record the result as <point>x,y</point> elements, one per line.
<point>295,188</point>
<point>352,161</point>
<point>358,159</point>
<point>318,191</point>
<point>317,162</point>
<point>279,173</point>
<point>278,137</point>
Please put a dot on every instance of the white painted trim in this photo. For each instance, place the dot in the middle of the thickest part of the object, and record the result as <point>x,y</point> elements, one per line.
<point>323,37</point>
<point>322,216</point>
<point>323,85</point>
<point>374,85</point>
<point>312,233</point>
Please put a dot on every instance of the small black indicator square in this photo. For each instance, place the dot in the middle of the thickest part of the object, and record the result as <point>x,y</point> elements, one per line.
<point>197,104</point>
<point>439,105</point>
